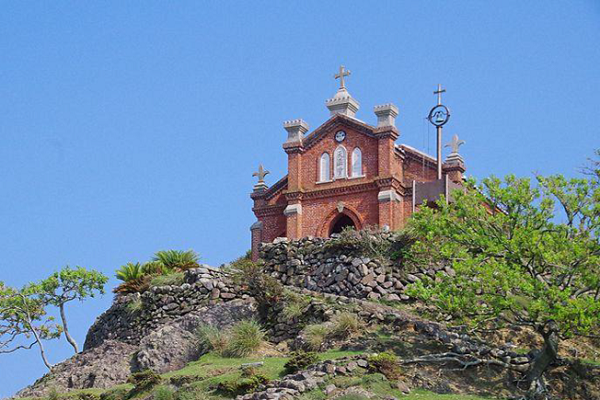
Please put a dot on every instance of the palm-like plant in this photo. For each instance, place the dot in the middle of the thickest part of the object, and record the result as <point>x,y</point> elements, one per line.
<point>130,272</point>
<point>177,259</point>
<point>135,280</point>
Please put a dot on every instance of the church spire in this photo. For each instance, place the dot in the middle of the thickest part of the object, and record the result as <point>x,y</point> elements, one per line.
<point>342,102</point>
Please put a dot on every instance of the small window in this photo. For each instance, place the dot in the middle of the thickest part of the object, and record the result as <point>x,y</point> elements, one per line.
<point>324,168</point>
<point>340,163</point>
<point>357,163</point>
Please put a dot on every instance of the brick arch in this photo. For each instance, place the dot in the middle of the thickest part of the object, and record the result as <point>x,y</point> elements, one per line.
<point>334,214</point>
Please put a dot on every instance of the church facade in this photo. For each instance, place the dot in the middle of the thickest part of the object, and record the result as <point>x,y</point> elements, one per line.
<point>347,173</point>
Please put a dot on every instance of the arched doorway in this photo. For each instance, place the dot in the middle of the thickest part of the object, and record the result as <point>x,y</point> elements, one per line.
<point>340,223</point>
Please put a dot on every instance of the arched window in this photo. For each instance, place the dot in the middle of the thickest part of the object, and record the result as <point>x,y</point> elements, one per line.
<point>356,163</point>
<point>324,168</point>
<point>340,163</point>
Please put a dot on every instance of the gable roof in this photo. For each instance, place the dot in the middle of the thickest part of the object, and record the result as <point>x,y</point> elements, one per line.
<point>337,120</point>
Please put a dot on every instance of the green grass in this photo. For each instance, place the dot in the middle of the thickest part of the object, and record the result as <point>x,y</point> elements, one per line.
<point>212,369</point>
<point>425,395</point>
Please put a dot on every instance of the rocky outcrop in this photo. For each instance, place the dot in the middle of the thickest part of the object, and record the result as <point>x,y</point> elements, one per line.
<point>173,346</point>
<point>166,349</point>
<point>327,266</point>
<point>135,316</point>
<point>102,367</point>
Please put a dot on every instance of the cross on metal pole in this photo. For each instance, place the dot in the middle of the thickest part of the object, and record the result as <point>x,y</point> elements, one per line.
<point>439,92</point>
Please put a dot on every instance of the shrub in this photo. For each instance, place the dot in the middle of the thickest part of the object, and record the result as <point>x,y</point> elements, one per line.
<point>154,268</point>
<point>246,337</point>
<point>300,360</point>
<point>170,279</point>
<point>385,363</point>
<point>353,396</point>
<point>163,393</point>
<point>53,394</point>
<point>177,260</point>
<point>212,339</point>
<point>115,394</point>
<point>144,380</point>
<point>346,324</point>
<point>315,335</point>
<point>182,380</point>
<point>244,385</point>
<point>264,288</point>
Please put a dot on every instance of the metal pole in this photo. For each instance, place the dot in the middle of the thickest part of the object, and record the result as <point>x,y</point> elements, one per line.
<point>439,152</point>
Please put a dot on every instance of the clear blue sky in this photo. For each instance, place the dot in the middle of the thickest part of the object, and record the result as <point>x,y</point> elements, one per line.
<point>130,127</point>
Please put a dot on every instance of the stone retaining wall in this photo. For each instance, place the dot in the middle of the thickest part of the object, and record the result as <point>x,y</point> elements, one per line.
<point>159,305</point>
<point>312,264</point>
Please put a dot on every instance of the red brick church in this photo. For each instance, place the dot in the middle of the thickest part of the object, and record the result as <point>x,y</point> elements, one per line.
<point>347,173</point>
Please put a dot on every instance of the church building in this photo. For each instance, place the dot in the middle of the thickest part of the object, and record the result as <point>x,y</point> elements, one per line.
<point>348,173</point>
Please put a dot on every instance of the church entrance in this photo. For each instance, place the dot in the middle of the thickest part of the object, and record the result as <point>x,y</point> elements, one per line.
<point>340,223</point>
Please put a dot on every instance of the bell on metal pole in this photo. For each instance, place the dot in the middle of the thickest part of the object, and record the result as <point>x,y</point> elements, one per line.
<point>439,118</point>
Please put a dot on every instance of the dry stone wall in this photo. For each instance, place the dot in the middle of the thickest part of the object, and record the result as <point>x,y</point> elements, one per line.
<point>312,264</point>
<point>160,305</point>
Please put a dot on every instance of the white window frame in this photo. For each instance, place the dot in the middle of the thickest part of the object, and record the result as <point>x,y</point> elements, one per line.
<point>357,171</point>
<point>343,161</point>
<point>324,170</point>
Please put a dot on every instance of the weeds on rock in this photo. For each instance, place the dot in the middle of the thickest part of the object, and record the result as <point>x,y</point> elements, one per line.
<point>213,339</point>
<point>135,306</point>
<point>300,360</point>
<point>163,393</point>
<point>144,380</point>
<point>115,394</point>
<point>385,363</point>
<point>170,279</point>
<point>295,305</point>
<point>244,385</point>
<point>346,324</point>
<point>315,336</point>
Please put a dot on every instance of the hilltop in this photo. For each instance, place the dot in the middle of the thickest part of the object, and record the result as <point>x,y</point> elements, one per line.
<point>315,319</point>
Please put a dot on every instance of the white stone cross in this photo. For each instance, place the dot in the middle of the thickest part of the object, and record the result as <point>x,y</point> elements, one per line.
<point>455,144</point>
<point>343,72</point>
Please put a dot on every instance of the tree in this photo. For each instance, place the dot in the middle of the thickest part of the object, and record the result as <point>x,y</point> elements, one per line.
<point>23,322</point>
<point>522,255</point>
<point>67,285</point>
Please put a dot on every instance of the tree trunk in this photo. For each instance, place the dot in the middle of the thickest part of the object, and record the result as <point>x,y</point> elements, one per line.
<point>41,347</point>
<point>549,354</point>
<point>70,339</point>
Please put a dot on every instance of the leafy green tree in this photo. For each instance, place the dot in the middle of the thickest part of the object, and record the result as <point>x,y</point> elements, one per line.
<point>522,255</point>
<point>24,323</point>
<point>67,285</point>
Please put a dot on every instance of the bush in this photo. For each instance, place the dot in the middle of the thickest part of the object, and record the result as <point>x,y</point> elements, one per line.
<point>346,324</point>
<point>144,380</point>
<point>53,394</point>
<point>163,393</point>
<point>300,360</point>
<point>315,336</point>
<point>154,268</point>
<point>177,260</point>
<point>264,288</point>
<point>385,363</point>
<point>245,338</point>
<point>183,380</point>
<point>244,385</point>
<point>212,339</point>
<point>170,279</point>
<point>115,394</point>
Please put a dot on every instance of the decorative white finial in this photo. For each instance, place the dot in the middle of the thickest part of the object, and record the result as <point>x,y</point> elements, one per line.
<point>455,144</point>
<point>260,174</point>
